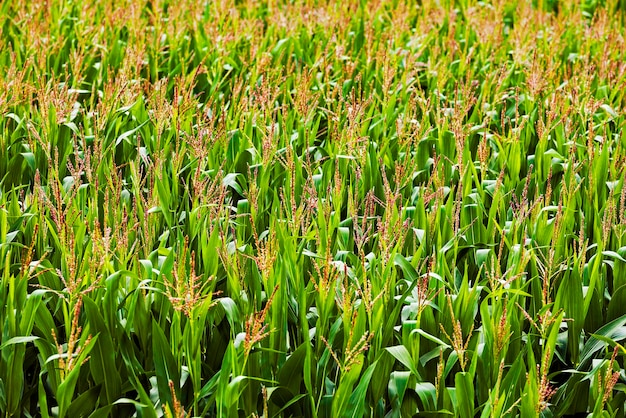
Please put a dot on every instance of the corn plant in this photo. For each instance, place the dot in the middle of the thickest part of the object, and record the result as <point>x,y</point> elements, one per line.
<point>312,208</point>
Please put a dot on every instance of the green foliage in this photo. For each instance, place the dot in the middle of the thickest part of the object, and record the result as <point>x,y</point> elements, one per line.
<point>312,208</point>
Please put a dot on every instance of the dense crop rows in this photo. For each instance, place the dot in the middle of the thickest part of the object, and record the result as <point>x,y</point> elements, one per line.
<point>312,208</point>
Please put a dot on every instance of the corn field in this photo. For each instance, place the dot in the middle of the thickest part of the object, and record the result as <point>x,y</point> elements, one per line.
<point>312,208</point>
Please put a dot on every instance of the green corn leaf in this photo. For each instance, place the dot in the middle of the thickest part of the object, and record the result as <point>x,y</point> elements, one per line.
<point>400,353</point>
<point>356,402</point>
<point>164,363</point>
